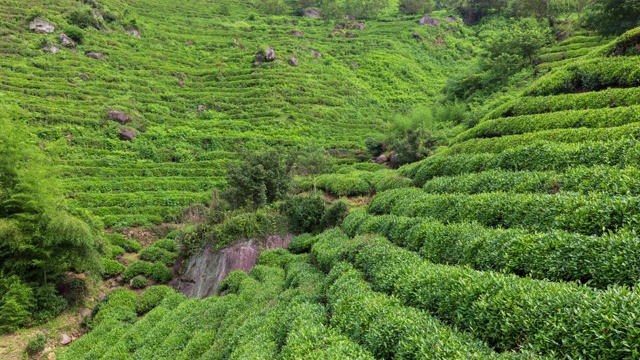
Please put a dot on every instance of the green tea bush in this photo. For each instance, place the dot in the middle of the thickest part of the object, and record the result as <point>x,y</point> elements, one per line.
<point>558,120</point>
<point>382,325</point>
<point>36,345</point>
<point>154,253</point>
<point>111,268</point>
<point>538,156</point>
<point>138,268</point>
<point>138,282</point>
<point>509,313</point>
<point>301,243</point>
<point>352,184</point>
<point>590,75</point>
<point>161,274</point>
<point>334,214</point>
<point>167,244</point>
<point>275,258</point>
<point>152,297</point>
<point>530,105</point>
<point>83,18</point>
<point>591,214</point>
<point>554,255</point>
<point>119,305</point>
<point>583,180</point>
<point>232,282</point>
<point>567,136</point>
<point>75,33</point>
<point>131,246</point>
<point>115,251</point>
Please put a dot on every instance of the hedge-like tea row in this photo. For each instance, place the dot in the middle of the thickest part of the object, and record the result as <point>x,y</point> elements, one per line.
<point>565,54</point>
<point>591,214</point>
<point>583,180</point>
<point>561,320</point>
<point>596,118</point>
<point>390,330</point>
<point>613,259</point>
<point>360,182</point>
<point>594,74</point>
<point>529,105</point>
<point>539,156</point>
<point>568,136</point>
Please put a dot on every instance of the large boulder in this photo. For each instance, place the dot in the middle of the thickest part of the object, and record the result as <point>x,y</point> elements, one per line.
<point>41,26</point>
<point>429,21</point>
<point>269,54</point>
<point>312,13</point>
<point>118,116</point>
<point>293,62</point>
<point>127,134</point>
<point>66,41</point>
<point>94,55</point>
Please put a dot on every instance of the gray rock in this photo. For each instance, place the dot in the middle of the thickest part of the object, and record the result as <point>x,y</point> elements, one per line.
<point>359,26</point>
<point>316,54</point>
<point>84,77</point>
<point>126,135</point>
<point>416,36</point>
<point>260,57</point>
<point>451,18</point>
<point>296,33</point>
<point>429,21</point>
<point>41,26</point>
<point>201,108</point>
<point>66,41</point>
<point>65,339</point>
<point>349,17</point>
<point>382,159</point>
<point>118,116</point>
<point>94,55</point>
<point>180,83</point>
<point>269,54</point>
<point>315,14</point>
<point>293,62</point>
<point>101,296</point>
<point>51,49</point>
<point>134,33</point>
<point>85,313</point>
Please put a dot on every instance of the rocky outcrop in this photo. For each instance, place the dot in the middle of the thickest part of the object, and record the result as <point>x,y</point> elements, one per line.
<point>41,26</point>
<point>127,134</point>
<point>312,13</point>
<point>429,21</point>
<point>204,272</point>
<point>118,116</point>
<point>66,41</point>
<point>94,55</point>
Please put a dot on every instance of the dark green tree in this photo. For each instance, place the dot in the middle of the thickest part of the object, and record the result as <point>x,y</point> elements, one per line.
<point>612,17</point>
<point>259,179</point>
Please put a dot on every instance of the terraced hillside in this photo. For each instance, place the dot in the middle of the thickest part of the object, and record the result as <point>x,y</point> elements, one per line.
<point>519,240</point>
<point>191,92</point>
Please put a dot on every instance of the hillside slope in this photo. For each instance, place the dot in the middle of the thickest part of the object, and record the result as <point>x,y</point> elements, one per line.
<point>516,241</point>
<point>195,99</point>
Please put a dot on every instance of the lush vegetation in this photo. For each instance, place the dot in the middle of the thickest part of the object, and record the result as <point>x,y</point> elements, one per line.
<point>459,178</point>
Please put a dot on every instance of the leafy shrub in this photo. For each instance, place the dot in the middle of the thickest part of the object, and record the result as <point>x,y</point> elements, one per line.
<point>301,243</point>
<point>48,303</point>
<point>120,305</point>
<point>259,179</point>
<point>416,7</point>
<point>115,251</point>
<point>592,214</point>
<point>154,253</point>
<point>138,268</point>
<point>152,297</point>
<point>131,246</point>
<point>83,18</point>
<point>304,213</point>
<point>16,304</point>
<point>335,214</point>
<point>36,344</point>
<point>75,33</point>
<point>161,274</point>
<point>167,244</point>
<point>138,282</point>
<point>111,268</point>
